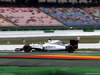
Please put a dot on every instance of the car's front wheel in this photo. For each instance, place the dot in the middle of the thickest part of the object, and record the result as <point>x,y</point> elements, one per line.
<point>27,48</point>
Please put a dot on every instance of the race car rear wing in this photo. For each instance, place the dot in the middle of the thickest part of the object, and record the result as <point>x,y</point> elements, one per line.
<point>74,43</point>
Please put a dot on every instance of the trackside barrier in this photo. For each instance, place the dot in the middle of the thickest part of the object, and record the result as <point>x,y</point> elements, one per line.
<point>23,34</point>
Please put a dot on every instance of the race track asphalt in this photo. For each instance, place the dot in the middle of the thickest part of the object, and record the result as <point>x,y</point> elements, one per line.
<point>47,62</point>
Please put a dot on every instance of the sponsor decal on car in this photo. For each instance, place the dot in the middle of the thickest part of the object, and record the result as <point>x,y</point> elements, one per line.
<point>50,47</point>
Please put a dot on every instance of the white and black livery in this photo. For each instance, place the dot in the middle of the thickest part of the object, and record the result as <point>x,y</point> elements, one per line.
<point>51,45</point>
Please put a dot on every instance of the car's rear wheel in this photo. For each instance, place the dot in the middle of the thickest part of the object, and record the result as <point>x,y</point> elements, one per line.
<point>70,49</point>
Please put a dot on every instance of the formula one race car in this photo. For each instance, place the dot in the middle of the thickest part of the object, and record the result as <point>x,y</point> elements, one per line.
<point>51,45</point>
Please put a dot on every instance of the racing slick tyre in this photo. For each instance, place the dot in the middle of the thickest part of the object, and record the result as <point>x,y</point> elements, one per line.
<point>27,48</point>
<point>70,49</point>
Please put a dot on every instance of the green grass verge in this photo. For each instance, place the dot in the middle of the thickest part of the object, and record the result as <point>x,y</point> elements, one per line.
<point>15,70</point>
<point>19,41</point>
<point>89,40</point>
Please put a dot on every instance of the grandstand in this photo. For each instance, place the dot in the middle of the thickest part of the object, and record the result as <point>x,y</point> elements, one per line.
<point>49,14</point>
<point>93,11</point>
<point>73,16</point>
<point>5,22</point>
<point>28,17</point>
